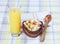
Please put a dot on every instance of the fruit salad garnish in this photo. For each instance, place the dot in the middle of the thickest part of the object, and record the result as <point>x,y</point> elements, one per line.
<point>33,25</point>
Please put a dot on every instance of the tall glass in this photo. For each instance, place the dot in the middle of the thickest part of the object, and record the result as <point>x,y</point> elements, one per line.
<point>15,21</point>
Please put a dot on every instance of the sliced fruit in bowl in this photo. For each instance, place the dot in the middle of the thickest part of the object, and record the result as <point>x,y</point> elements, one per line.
<point>33,27</point>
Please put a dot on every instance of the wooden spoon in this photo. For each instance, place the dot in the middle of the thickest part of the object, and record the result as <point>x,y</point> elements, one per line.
<point>46,20</point>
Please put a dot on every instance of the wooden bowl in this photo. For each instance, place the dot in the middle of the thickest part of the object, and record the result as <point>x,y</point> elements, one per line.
<point>32,33</point>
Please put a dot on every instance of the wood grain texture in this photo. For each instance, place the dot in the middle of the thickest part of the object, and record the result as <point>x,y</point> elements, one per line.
<point>47,19</point>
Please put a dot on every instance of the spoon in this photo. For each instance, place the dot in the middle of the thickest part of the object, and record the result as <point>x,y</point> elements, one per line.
<point>46,20</point>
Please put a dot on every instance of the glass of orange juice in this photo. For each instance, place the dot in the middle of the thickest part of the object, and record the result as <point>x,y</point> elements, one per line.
<point>15,21</point>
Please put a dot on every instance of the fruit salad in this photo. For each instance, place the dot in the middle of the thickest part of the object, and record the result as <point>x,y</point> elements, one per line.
<point>33,25</point>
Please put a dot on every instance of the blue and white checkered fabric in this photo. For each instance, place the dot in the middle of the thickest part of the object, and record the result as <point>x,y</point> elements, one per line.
<point>29,7</point>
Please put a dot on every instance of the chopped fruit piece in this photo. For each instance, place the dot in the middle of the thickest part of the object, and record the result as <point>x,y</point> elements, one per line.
<point>39,25</point>
<point>26,23</point>
<point>34,23</point>
<point>30,25</point>
<point>29,21</point>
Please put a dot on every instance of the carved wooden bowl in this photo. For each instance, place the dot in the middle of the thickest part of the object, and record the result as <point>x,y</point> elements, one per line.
<point>32,33</point>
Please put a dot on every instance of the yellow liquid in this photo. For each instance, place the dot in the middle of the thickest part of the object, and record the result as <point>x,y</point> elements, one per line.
<point>15,21</point>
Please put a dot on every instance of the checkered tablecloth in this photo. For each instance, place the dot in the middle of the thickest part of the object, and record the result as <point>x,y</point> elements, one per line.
<point>30,7</point>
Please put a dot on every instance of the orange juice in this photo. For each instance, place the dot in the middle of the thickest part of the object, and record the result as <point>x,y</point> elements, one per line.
<point>15,21</point>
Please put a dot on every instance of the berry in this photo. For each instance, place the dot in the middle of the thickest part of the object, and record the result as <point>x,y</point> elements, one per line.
<point>39,25</point>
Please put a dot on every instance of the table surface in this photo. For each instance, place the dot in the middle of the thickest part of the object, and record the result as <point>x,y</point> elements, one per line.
<point>30,7</point>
